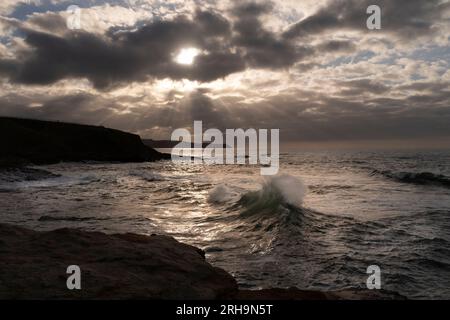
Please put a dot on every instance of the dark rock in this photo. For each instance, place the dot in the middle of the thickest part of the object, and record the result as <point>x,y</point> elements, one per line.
<point>24,141</point>
<point>126,266</point>
<point>213,249</point>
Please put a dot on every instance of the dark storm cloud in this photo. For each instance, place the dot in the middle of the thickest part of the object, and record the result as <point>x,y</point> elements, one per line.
<point>128,56</point>
<point>9,66</point>
<point>122,56</point>
<point>229,45</point>
<point>405,18</point>
<point>263,49</point>
<point>351,109</point>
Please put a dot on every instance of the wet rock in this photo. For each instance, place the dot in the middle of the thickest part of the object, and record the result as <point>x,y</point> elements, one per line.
<point>33,265</point>
<point>128,266</point>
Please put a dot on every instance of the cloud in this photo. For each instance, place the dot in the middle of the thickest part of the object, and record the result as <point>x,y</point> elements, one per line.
<point>124,55</point>
<point>263,49</point>
<point>404,18</point>
<point>323,78</point>
<point>301,115</point>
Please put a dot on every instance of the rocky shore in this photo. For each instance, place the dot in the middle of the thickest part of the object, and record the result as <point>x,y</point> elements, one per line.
<point>33,265</point>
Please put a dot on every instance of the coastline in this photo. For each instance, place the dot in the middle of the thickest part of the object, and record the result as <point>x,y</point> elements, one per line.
<point>127,266</point>
<point>27,141</point>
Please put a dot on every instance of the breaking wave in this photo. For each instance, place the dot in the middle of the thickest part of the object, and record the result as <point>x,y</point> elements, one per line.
<point>12,179</point>
<point>277,190</point>
<point>276,205</point>
<point>421,178</point>
<point>25,174</point>
<point>146,175</point>
<point>221,194</point>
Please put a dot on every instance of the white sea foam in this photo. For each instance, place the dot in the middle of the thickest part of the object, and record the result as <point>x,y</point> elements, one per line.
<point>221,194</point>
<point>147,175</point>
<point>290,188</point>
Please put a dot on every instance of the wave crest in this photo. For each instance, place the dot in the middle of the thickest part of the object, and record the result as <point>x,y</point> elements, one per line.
<point>221,194</point>
<point>9,175</point>
<point>278,193</point>
<point>149,176</point>
<point>285,188</point>
<point>422,178</point>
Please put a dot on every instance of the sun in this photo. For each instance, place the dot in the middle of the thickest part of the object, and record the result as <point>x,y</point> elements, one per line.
<point>187,56</point>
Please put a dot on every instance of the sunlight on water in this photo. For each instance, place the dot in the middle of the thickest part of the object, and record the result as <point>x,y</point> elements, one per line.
<point>316,226</point>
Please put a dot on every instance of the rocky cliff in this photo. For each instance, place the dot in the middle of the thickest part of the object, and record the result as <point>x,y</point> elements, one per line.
<point>25,141</point>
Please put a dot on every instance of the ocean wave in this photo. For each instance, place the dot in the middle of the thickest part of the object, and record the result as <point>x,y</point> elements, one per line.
<point>276,208</point>
<point>221,194</point>
<point>276,190</point>
<point>421,178</point>
<point>325,189</point>
<point>22,178</point>
<point>75,219</point>
<point>430,263</point>
<point>9,175</point>
<point>146,175</point>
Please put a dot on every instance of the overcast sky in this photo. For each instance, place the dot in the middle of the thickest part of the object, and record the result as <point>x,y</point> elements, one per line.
<point>308,67</point>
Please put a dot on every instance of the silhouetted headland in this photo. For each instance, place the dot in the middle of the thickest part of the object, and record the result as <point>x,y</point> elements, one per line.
<point>26,141</point>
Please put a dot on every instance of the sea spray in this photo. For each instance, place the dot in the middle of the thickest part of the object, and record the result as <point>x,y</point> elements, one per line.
<point>221,194</point>
<point>283,188</point>
<point>279,196</point>
<point>291,189</point>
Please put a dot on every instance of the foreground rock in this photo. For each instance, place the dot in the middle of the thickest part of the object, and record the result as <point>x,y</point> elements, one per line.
<point>128,266</point>
<point>24,141</point>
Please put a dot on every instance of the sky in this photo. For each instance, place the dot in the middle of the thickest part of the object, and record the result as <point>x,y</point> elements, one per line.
<point>310,68</point>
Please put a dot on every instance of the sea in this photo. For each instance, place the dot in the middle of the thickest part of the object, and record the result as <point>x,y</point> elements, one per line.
<point>319,224</point>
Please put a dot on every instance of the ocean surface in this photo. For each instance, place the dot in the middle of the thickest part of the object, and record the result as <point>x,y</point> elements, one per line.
<point>317,225</point>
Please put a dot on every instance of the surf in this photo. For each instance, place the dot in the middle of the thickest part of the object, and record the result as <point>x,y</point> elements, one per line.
<point>277,192</point>
<point>420,178</point>
<point>277,205</point>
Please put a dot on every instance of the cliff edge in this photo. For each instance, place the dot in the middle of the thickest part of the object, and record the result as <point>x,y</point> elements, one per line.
<point>25,141</point>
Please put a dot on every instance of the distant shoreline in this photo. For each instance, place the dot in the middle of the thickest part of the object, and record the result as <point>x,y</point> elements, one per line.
<point>169,144</point>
